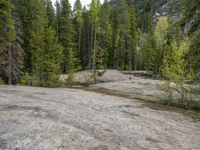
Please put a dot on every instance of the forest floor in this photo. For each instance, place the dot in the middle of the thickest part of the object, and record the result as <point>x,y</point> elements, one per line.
<point>34,118</point>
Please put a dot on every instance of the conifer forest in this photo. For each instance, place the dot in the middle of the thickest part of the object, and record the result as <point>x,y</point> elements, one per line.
<point>41,40</point>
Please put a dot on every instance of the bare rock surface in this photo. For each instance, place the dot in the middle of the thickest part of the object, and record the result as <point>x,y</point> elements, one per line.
<point>109,76</point>
<point>135,87</point>
<point>69,119</point>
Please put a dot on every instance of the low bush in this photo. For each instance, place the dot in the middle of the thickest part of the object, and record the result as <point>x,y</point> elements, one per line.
<point>29,80</point>
<point>26,79</point>
<point>1,82</point>
<point>179,76</point>
<point>71,82</point>
<point>189,104</point>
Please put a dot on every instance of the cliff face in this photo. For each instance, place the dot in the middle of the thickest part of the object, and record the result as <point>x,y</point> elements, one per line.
<point>174,9</point>
<point>152,9</point>
<point>155,9</point>
<point>170,8</point>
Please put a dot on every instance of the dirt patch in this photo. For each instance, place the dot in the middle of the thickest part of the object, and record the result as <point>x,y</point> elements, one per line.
<point>17,107</point>
<point>156,105</point>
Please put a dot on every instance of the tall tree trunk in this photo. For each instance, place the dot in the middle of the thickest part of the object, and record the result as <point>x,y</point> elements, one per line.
<point>9,64</point>
<point>91,42</point>
<point>87,46</point>
<point>130,60</point>
<point>94,58</point>
<point>9,60</point>
<point>140,60</point>
<point>57,35</point>
<point>79,42</point>
<point>57,20</point>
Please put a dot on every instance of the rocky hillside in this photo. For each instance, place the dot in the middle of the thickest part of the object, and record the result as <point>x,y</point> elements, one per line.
<point>171,8</point>
<point>152,9</point>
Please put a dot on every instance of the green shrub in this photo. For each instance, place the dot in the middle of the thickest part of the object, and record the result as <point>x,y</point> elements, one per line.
<point>26,79</point>
<point>189,104</point>
<point>70,82</point>
<point>29,80</point>
<point>195,90</point>
<point>52,82</point>
<point>1,82</point>
<point>178,74</point>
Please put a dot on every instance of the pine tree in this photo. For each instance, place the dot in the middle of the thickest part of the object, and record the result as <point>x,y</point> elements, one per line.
<point>39,24</point>
<point>150,49</point>
<point>94,11</point>
<point>66,38</point>
<point>191,15</point>
<point>125,37</point>
<point>141,43</point>
<point>150,53</point>
<point>50,14</point>
<point>58,13</point>
<point>133,52</point>
<point>145,12</point>
<point>113,57</point>
<point>160,34</point>
<point>45,50</point>
<point>78,24</point>
<point>100,57</point>
<point>52,55</point>
<point>27,11</point>
<point>7,28</point>
<point>85,54</point>
<point>7,36</point>
<point>16,48</point>
<point>105,31</point>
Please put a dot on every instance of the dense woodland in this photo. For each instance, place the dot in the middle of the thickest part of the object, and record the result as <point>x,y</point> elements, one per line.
<point>40,40</point>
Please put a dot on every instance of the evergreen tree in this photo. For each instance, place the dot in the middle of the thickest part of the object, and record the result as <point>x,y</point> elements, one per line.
<point>191,15</point>
<point>100,57</point>
<point>141,43</point>
<point>45,52</point>
<point>27,10</point>
<point>145,12</point>
<point>85,53</point>
<point>113,57</point>
<point>94,11</point>
<point>160,34</point>
<point>133,51</point>
<point>150,53</point>
<point>7,36</point>
<point>39,24</point>
<point>52,55</point>
<point>50,14</point>
<point>58,12</point>
<point>105,31</point>
<point>66,38</point>
<point>78,24</point>
<point>124,38</point>
<point>7,28</point>
<point>150,49</point>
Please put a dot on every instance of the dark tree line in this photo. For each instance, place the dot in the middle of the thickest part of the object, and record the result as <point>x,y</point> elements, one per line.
<point>39,41</point>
